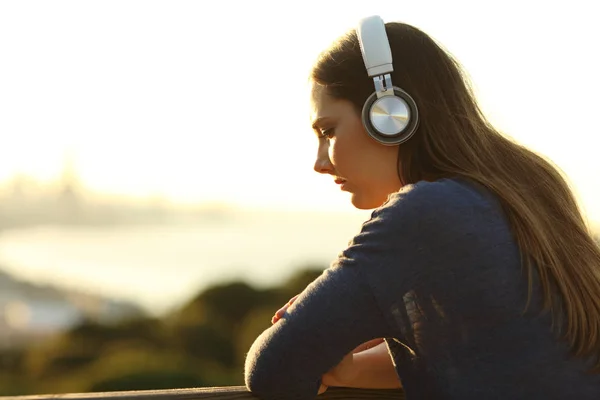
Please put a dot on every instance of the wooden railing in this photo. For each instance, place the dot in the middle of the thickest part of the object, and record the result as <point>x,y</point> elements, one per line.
<point>223,393</point>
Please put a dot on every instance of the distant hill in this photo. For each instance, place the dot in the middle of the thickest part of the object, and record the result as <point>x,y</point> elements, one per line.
<point>29,311</point>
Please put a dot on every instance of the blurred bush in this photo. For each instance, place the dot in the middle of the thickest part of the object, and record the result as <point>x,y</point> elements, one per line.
<point>204,343</point>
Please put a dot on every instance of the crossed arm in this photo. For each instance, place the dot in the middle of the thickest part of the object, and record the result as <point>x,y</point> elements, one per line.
<point>367,369</point>
<point>314,344</point>
<point>369,366</point>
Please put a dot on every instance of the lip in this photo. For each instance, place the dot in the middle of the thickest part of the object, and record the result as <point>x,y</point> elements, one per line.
<point>341,182</point>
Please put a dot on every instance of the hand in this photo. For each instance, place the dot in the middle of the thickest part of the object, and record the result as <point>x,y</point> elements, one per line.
<point>279,314</point>
<point>343,372</point>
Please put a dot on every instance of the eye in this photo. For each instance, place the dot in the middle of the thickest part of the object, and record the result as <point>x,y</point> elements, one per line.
<point>327,133</point>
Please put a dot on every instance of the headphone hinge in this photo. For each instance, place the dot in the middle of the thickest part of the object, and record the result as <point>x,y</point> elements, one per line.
<point>383,85</point>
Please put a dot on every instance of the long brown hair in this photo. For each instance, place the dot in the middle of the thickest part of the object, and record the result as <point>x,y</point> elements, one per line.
<point>454,139</point>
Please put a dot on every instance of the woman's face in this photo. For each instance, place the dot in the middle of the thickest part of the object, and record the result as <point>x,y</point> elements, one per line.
<point>360,165</point>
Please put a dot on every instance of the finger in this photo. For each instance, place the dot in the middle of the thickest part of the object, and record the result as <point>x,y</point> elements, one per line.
<point>280,313</point>
<point>283,309</point>
<point>322,389</point>
<point>293,299</point>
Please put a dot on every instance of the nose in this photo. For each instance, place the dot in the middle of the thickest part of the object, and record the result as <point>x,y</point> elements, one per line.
<point>323,163</point>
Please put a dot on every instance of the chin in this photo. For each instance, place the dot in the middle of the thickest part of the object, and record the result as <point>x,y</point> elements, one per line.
<point>365,203</point>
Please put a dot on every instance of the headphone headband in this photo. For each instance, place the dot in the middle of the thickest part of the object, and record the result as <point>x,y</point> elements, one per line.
<point>374,46</point>
<point>389,115</point>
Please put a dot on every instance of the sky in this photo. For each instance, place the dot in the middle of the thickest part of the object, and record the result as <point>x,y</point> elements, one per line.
<point>208,100</point>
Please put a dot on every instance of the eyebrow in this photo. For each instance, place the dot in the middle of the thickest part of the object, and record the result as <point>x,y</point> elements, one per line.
<point>317,122</point>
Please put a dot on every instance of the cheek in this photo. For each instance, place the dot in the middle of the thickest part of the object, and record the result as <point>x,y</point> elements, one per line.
<point>331,152</point>
<point>346,152</point>
<point>349,147</point>
<point>338,153</point>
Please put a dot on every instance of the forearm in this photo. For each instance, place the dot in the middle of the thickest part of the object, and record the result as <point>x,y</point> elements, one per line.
<point>332,314</point>
<point>369,369</point>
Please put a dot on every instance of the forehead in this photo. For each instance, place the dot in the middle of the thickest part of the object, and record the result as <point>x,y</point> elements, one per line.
<point>321,103</point>
<point>318,97</point>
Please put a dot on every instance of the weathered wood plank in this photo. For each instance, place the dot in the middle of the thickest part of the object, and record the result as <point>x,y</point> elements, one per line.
<point>223,393</point>
<point>360,394</point>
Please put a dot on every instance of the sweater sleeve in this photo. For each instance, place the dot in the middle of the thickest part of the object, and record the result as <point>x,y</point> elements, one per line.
<point>336,313</point>
<point>331,317</point>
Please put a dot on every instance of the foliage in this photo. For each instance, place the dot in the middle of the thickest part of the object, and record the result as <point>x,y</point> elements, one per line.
<point>201,344</point>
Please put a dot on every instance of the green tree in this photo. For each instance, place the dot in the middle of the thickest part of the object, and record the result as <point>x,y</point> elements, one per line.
<point>87,342</point>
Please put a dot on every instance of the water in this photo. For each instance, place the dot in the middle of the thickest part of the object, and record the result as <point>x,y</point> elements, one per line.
<point>162,266</point>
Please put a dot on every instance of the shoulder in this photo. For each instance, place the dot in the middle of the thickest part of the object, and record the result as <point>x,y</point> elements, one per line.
<point>450,192</point>
<point>443,213</point>
<point>426,214</point>
<point>438,202</point>
<point>428,227</point>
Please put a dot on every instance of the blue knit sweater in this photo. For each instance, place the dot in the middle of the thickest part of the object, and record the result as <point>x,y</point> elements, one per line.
<point>435,271</point>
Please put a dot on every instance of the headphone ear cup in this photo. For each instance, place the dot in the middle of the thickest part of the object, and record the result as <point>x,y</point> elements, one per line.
<point>404,102</point>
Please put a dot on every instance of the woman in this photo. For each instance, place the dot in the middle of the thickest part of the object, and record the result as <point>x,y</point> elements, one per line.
<point>476,276</point>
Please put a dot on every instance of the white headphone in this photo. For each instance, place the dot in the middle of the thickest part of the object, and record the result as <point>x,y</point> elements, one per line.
<point>389,115</point>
